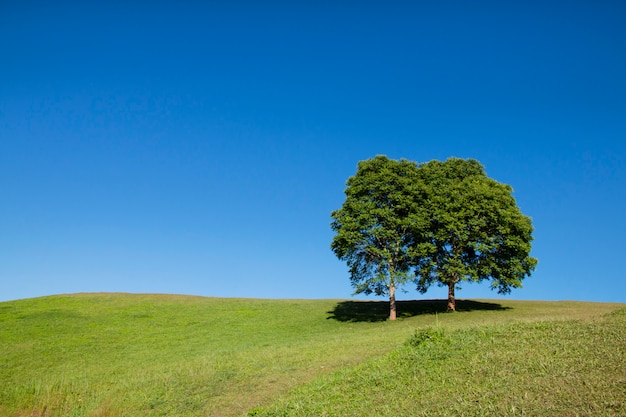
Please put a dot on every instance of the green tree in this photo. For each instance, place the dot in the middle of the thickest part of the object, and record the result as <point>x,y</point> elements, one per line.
<point>376,226</point>
<point>476,230</point>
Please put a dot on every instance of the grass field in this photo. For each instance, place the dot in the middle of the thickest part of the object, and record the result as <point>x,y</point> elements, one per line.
<point>158,355</point>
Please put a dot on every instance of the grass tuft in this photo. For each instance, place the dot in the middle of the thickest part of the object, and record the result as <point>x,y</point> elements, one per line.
<point>428,336</point>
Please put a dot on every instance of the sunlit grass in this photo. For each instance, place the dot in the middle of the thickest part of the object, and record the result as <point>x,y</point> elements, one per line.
<point>542,368</point>
<point>152,355</point>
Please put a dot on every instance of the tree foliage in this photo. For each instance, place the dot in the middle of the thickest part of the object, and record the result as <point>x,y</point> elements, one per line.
<point>440,223</point>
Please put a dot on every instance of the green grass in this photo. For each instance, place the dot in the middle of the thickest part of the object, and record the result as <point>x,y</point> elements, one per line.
<point>157,355</point>
<point>545,368</point>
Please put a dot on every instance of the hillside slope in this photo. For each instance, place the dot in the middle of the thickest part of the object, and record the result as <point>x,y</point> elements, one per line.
<point>150,355</point>
<point>541,368</point>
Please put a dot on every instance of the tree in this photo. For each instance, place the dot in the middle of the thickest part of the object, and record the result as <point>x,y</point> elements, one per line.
<point>376,226</point>
<point>476,230</point>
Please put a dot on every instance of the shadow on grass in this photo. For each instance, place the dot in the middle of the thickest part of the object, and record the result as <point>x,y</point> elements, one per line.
<point>373,311</point>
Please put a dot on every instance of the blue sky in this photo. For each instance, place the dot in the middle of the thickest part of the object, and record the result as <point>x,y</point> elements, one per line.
<point>199,148</point>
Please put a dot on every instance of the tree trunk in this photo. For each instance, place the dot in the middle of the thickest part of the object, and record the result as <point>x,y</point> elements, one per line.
<point>451,300</point>
<point>392,302</point>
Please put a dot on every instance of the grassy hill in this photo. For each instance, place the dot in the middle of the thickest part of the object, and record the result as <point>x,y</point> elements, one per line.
<point>157,355</point>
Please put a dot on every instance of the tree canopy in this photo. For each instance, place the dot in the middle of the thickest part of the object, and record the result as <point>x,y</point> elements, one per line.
<point>438,223</point>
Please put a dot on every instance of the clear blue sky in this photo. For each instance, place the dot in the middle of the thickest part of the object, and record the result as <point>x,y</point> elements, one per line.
<point>197,148</point>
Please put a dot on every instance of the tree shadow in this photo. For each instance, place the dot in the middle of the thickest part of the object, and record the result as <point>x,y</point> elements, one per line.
<point>373,311</point>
